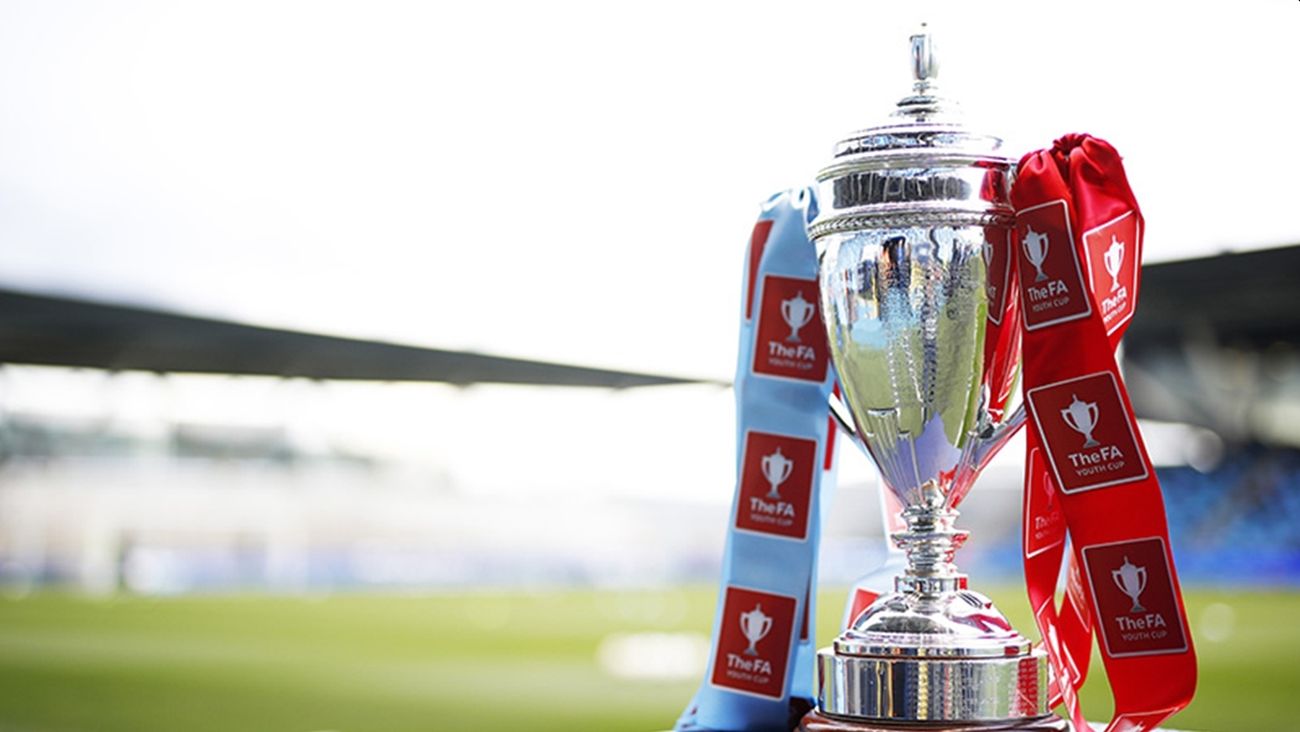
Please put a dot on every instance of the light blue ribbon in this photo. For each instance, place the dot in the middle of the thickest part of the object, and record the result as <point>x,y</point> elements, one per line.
<point>754,560</point>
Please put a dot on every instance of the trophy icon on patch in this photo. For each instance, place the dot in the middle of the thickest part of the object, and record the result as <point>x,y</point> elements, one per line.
<point>1049,490</point>
<point>776,468</point>
<point>1082,418</point>
<point>755,624</point>
<point>1114,259</point>
<point>797,312</point>
<point>1131,579</point>
<point>1035,246</point>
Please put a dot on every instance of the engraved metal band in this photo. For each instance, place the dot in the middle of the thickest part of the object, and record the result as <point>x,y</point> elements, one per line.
<point>900,159</point>
<point>910,217</point>
<point>906,141</point>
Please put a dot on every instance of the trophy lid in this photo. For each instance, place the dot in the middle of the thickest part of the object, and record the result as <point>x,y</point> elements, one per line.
<point>922,159</point>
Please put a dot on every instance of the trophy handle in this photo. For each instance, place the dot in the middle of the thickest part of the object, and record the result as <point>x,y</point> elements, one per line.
<point>1142,580</point>
<point>785,313</point>
<point>986,446</point>
<point>993,438</point>
<point>767,626</point>
<point>1093,413</point>
<point>843,417</point>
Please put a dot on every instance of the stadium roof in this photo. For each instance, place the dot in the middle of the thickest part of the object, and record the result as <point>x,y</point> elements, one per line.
<point>1249,300</point>
<point>1216,342</point>
<point>61,331</point>
<point>1199,320</point>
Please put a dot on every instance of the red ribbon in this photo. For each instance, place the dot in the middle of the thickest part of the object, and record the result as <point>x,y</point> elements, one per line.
<point>1078,240</point>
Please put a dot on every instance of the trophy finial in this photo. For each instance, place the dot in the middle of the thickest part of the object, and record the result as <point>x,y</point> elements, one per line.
<point>925,64</point>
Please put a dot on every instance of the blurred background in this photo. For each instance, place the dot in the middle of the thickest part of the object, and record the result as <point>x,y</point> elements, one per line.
<point>365,366</point>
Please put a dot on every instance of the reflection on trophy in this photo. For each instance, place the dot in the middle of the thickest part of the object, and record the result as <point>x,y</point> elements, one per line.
<point>776,468</point>
<point>908,210</point>
<point>797,312</point>
<point>1131,580</point>
<point>1035,245</point>
<point>755,624</point>
<point>1082,418</point>
<point>991,287</point>
<point>1114,259</point>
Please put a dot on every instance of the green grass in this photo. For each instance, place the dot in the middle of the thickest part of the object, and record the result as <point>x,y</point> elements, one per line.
<point>521,661</point>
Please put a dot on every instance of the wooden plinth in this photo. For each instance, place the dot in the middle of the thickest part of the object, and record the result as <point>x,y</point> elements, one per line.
<point>814,722</point>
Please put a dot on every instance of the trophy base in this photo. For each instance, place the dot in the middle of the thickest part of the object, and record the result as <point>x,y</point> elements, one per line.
<point>815,721</point>
<point>937,661</point>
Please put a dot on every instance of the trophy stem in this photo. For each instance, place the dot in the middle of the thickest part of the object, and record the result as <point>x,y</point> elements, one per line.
<point>930,542</point>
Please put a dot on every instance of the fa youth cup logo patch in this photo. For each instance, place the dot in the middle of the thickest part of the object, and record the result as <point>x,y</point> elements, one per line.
<point>776,478</point>
<point>754,642</point>
<point>1112,250</point>
<point>1087,432</point>
<point>790,342</point>
<point>1054,292</point>
<point>1134,595</point>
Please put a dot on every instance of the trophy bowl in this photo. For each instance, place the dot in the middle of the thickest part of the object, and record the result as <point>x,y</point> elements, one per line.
<point>915,252</point>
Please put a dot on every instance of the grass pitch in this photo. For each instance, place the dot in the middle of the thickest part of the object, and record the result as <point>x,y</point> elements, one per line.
<point>505,661</point>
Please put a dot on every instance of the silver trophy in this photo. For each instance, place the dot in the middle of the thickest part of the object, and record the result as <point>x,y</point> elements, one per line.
<point>910,214</point>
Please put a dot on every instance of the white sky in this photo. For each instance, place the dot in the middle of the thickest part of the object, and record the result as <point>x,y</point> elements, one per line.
<point>568,181</point>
